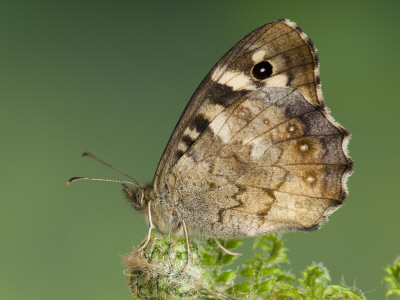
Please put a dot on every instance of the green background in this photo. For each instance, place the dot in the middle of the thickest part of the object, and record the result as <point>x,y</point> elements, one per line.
<point>112,77</point>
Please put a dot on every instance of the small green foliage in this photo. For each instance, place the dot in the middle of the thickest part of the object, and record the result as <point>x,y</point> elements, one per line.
<point>315,285</point>
<point>160,271</point>
<point>392,280</point>
<point>258,276</point>
<point>243,287</point>
<point>226,276</point>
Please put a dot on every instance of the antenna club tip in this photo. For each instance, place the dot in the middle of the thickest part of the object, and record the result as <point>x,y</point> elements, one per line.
<point>73,179</point>
<point>85,154</point>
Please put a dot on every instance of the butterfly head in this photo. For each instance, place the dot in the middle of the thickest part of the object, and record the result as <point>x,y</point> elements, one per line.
<point>136,196</point>
<point>163,216</point>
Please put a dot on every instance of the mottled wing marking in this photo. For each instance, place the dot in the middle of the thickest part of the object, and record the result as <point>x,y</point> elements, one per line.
<point>294,62</point>
<point>270,161</point>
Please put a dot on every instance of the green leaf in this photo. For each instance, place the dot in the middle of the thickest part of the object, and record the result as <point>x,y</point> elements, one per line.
<point>242,287</point>
<point>268,271</point>
<point>266,286</point>
<point>231,244</point>
<point>390,280</point>
<point>315,275</point>
<point>390,292</point>
<point>290,293</point>
<point>226,276</point>
<point>393,279</point>
<point>247,272</point>
<point>339,291</point>
<point>227,258</point>
<point>208,260</point>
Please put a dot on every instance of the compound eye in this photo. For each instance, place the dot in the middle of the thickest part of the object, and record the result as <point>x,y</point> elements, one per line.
<point>262,70</point>
<point>139,197</point>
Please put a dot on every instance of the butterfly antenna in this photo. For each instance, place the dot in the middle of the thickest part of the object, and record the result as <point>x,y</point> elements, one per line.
<point>135,183</point>
<point>100,179</point>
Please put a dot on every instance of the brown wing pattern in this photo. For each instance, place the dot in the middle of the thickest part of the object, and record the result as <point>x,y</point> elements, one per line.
<point>250,156</point>
<point>271,161</point>
<point>294,62</point>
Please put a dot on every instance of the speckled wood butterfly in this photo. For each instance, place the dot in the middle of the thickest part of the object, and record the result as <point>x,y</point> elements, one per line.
<point>255,150</point>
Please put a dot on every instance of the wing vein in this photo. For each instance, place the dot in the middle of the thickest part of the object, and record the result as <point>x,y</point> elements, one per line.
<point>296,194</point>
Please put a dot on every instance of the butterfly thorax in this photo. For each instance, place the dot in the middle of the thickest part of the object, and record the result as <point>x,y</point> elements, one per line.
<point>164,215</point>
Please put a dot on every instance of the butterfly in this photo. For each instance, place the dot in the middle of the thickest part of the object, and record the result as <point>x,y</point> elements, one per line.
<point>255,150</point>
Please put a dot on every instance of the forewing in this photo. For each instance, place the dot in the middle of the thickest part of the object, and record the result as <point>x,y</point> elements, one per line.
<point>294,62</point>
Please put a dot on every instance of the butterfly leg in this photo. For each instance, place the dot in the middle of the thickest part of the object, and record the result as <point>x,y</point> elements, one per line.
<point>224,249</point>
<point>151,226</point>
<point>187,244</point>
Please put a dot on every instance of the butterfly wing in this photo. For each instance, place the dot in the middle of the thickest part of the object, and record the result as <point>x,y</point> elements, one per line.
<point>230,79</point>
<point>251,155</point>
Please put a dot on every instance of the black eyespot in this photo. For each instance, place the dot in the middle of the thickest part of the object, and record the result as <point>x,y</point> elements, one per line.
<point>262,70</point>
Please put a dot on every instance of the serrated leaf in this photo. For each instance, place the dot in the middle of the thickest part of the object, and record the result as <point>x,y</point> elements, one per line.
<point>226,276</point>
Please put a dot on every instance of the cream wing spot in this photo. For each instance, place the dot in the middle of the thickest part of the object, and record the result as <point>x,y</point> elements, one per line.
<point>310,179</point>
<point>241,81</point>
<point>279,80</point>
<point>182,147</point>
<point>228,75</point>
<point>192,133</point>
<point>258,56</point>
<point>210,110</point>
<point>259,146</point>
<point>304,147</point>
<point>236,80</point>
<point>218,123</point>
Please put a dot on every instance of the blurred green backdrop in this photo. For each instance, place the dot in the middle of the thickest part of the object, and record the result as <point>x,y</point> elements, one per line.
<point>112,77</point>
